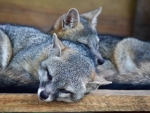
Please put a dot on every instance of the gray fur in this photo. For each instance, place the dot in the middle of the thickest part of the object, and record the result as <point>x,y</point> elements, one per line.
<point>131,59</point>
<point>107,45</point>
<point>35,53</point>
<point>22,37</point>
<point>16,79</point>
<point>31,36</point>
<point>80,28</point>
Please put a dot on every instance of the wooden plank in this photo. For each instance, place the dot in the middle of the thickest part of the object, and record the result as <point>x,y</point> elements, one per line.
<point>117,15</point>
<point>142,20</point>
<point>100,100</point>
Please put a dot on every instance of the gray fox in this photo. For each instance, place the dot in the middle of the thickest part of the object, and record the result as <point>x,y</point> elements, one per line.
<point>129,62</point>
<point>80,28</point>
<point>66,27</point>
<point>64,71</point>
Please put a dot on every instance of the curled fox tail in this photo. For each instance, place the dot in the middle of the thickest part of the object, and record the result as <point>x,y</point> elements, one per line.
<point>12,80</point>
<point>140,79</point>
<point>5,50</point>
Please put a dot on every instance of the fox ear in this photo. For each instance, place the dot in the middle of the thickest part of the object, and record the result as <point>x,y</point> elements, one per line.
<point>92,16</point>
<point>96,82</point>
<point>67,21</point>
<point>57,44</point>
<point>71,19</point>
<point>100,80</point>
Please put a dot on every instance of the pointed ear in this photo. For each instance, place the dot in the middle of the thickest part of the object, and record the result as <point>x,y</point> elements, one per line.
<point>96,82</point>
<point>57,44</point>
<point>100,80</point>
<point>71,19</point>
<point>92,16</point>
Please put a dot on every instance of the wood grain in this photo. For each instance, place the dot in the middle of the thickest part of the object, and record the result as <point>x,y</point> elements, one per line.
<point>100,100</point>
<point>117,15</point>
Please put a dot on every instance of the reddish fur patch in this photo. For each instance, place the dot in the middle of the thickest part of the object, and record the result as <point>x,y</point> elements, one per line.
<point>93,75</point>
<point>63,33</point>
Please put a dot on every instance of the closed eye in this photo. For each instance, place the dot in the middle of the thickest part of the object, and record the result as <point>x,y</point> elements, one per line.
<point>49,75</point>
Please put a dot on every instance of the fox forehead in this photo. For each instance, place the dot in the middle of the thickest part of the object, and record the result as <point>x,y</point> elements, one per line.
<point>70,62</point>
<point>67,33</point>
<point>83,27</point>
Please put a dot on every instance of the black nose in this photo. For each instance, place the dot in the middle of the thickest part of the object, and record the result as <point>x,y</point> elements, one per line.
<point>43,95</point>
<point>100,62</point>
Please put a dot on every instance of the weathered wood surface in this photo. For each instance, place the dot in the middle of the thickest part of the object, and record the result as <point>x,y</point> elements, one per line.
<point>117,15</point>
<point>100,100</point>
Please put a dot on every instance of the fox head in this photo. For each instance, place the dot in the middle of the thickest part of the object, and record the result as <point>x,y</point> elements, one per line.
<point>66,75</point>
<point>80,28</point>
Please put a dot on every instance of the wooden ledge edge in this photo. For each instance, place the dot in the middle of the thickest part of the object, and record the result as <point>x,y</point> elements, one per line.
<point>100,100</point>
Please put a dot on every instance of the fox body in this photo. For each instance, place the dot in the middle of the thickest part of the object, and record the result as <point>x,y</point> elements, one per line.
<point>65,71</point>
<point>129,66</point>
<point>80,28</point>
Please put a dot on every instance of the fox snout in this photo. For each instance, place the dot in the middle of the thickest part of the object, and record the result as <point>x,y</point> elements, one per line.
<point>100,61</point>
<point>98,57</point>
<point>43,95</point>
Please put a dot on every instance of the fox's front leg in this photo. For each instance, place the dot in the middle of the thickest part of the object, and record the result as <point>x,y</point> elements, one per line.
<point>12,77</point>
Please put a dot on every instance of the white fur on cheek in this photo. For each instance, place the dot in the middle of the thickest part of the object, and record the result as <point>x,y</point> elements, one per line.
<point>64,95</point>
